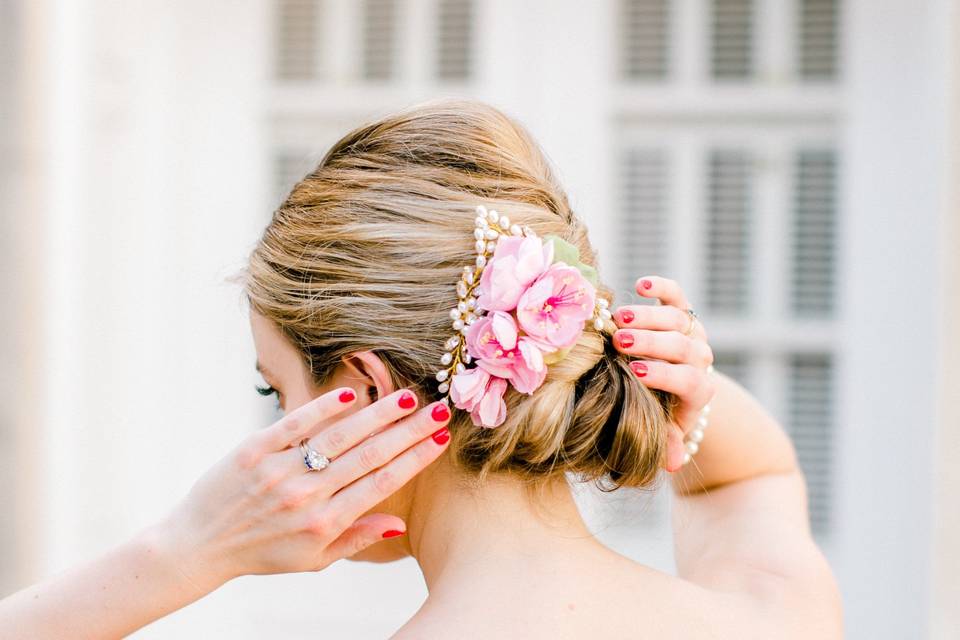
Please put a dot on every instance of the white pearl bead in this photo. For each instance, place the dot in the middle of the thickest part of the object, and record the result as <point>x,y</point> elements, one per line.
<point>471,318</point>
<point>442,375</point>
<point>468,276</point>
<point>702,421</point>
<point>461,367</point>
<point>455,313</point>
<point>492,234</point>
<point>467,358</point>
<point>696,435</point>
<point>504,222</point>
<point>443,387</point>
<point>516,230</point>
<point>491,246</point>
<point>480,246</point>
<point>453,341</point>
<point>462,289</point>
<point>463,329</point>
<point>598,324</point>
<point>481,210</point>
<point>446,358</point>
<point>492,215</point>
<point>458,324</point>
<point>686,458</point>
<point>478,234</point>
<point>462,306</point>
<point>603,302</point>
<point>471,303</point>
<point>481,261</point>
<point>706,409</point>
<point>692,447</point>
<point>605,314</point>
<point>481,223</point>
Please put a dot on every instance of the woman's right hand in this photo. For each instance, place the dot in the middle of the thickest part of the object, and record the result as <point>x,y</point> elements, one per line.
<point>260,511</point>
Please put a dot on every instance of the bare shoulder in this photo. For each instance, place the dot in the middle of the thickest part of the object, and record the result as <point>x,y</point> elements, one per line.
<point>751,539</point>
<point>605,594</point>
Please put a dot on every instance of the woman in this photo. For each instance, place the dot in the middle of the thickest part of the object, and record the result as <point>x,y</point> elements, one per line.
<point>455,443</point>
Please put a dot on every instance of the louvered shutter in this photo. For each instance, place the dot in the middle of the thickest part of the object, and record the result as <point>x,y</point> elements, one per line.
<point>731,46</point>
<point>814,232</point>
<point>379,39</point>
<point>818,39</point>
<point>730,181</point>
<point>455,39</point>
<point>289,167</point>
<point>296,41</point>
<point>643,242</point>
<point>810,423</point>
<point>645,39</point>
<point>734,364</point>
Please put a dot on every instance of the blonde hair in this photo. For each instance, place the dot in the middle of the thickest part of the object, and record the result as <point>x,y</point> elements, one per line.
<point>365,252</point>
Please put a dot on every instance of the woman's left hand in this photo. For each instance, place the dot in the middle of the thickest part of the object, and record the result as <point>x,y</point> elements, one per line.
<point>672,361</point>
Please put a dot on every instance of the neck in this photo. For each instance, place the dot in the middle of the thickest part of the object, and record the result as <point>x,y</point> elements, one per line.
<point>454,529</point>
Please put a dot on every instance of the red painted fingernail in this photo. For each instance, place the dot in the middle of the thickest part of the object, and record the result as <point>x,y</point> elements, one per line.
<point>393,533</point>
<point>646,284</point>
<point>441,436</point>
<point>347,396</point>
<point>407,400</point>
<point>440,412</point>
<point>639,368</point>
<point>625,339</point>
<point>626,316</point>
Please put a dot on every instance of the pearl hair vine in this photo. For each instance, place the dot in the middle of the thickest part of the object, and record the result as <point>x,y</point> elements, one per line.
<point>522,306</point>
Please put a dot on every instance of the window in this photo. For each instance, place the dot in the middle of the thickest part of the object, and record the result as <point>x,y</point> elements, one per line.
<point>454,39</point>
<point>645,46</point>
<point>296,42</point>
<point>731,45</point>
<point>379,39</point>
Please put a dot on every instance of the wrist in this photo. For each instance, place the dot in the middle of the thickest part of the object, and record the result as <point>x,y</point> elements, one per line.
<point>195,572</point>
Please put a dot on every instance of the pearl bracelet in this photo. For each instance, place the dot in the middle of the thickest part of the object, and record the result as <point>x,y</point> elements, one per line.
<point>695,437</point>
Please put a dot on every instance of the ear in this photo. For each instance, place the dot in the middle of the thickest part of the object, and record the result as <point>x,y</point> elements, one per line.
<point>368,370</point>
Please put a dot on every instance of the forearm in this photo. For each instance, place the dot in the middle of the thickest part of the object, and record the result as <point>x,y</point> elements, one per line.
<point>110,597</point>
<point>742,440</point>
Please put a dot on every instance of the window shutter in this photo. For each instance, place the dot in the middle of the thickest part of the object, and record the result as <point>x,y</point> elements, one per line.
<point>645,39</point>
<point>810,422</point>
<point>818,31</point>
<point>289,167</point>
<point>734,364</point>
<point>728,263</point>
<point>643,241</point>
<point>296,41</point>
<point>814,232</point>
<point>455,39</point>
<point>731,44</point>
<point>379,39</point>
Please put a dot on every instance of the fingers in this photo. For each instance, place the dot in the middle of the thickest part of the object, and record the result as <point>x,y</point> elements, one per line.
<point>693,384</point>
<point>363,533</point>
<point>664,345</point>
<point>303,421</point>
<point>667,290</point>
<point>346,433</point>
<point>377,451</point>
<point>363,494</point>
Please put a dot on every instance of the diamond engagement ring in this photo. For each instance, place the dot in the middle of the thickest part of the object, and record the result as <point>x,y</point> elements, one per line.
<point>693,320</point>
<point>314,460</point>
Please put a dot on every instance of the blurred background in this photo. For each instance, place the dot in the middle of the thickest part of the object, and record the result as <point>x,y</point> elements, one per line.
<point>793,163</point>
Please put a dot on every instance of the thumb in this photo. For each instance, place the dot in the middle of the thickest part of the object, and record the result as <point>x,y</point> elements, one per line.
<point>365,532</point>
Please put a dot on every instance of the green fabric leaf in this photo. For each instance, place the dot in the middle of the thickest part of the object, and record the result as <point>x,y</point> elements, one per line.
<point>563,251</point>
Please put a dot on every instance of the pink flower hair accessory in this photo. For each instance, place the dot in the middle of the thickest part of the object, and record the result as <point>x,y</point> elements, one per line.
<point>522,306</point>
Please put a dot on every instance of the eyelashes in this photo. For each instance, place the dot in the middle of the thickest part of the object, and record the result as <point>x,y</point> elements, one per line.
<point>269,391</point>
